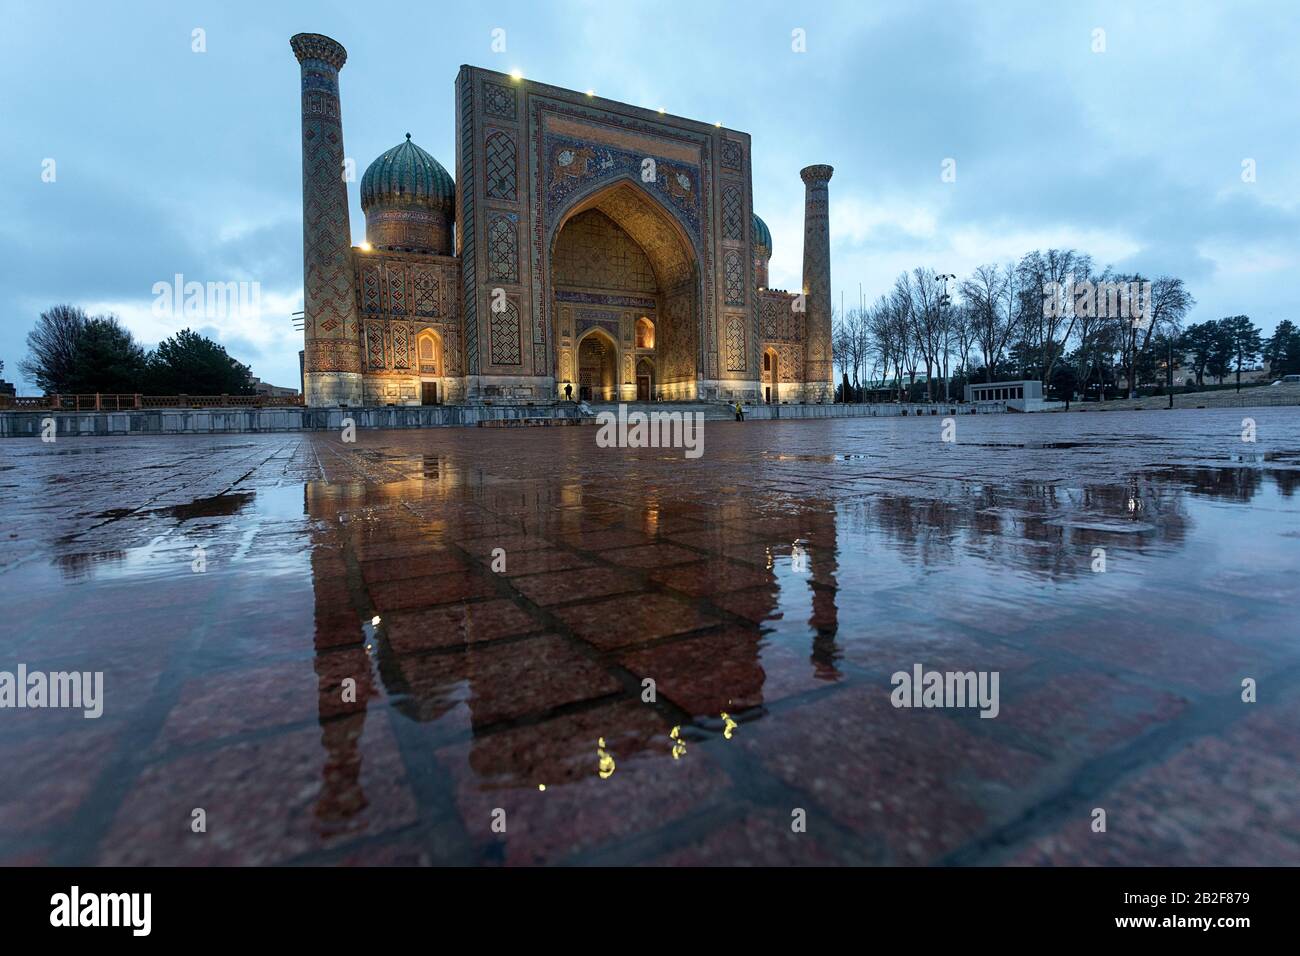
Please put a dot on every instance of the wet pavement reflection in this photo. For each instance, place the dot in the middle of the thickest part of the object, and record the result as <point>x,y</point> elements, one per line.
<point>509,646</point>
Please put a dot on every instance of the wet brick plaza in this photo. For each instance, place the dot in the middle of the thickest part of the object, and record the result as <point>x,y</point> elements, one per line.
<point>501,596</point>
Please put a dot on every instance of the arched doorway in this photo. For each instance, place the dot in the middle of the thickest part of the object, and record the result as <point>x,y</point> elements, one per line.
<point>597,367</point>
<point>771,391</point>
<point>645,333</point>
<point>621,263</point>
<point>428,350</point>
<point>645,380</point>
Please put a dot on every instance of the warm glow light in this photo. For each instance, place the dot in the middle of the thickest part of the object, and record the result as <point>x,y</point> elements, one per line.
<point>719,125</point>
<point>661,111</point>
<point>517,74</point>
<point>366,247</point>
<point>591,92</point>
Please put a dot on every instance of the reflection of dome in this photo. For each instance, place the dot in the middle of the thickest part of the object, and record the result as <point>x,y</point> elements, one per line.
<point>762,236</point>
<point>408,198</point>
<point>407,174</point>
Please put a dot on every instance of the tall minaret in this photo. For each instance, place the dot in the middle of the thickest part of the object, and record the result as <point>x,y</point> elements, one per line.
<point>332,346</point>
<point>818,374</point>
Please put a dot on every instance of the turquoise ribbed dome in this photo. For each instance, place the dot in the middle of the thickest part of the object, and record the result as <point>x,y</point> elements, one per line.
<point>406,174</point>
<point>762,235</point>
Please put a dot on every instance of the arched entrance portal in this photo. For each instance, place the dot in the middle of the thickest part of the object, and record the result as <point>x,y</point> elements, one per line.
<point>428,350</point>
<point>770,379</point>
<point>621,265</point>
<point>597,367</point>
<point>645,380</point>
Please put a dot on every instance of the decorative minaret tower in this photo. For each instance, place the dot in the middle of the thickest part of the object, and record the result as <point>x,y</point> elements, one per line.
<point>818,374</point>
<point>762,241</point>
<point>332,346</point>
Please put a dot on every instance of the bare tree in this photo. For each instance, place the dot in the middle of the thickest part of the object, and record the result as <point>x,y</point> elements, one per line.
<point>881,331</point>
<point>1162,307</point>
<point>922,292</point>
<point>840,353</point>
<point>888,326</point>
<point>962,329</point>
<point>900,312</point>
<point>1090,324</point>
<point>856,344</point>
<point>1047,306</point>
<point>991,296</point>
<point>52,347</point>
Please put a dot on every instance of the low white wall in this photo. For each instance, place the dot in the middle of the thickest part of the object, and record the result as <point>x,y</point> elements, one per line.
<point>203,421</point>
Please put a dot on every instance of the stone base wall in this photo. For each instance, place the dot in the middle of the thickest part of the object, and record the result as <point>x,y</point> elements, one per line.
<point>818,392</point>
<point>203,421</point>
<point>333,388</point>
<point>509,389</point>
<point>730,390</point>
<point>409,389</point>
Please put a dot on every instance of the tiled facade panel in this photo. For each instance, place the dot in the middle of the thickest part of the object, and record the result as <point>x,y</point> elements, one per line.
<point>592,252</point>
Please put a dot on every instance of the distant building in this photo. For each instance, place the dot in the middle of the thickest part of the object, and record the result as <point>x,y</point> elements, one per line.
<point>1185,375</point>
<point>7,388</point>
<point>1025,395</point>
<point>266,388</point>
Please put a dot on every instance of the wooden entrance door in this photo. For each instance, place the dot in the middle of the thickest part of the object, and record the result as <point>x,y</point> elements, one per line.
<point>429,393</point>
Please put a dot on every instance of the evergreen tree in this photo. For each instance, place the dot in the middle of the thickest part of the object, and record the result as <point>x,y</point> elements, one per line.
<point>1198,340</point>
<point>108,359</point>
<point>191,364</point>
<point>1220,362</point>
<point>1282,350</point>
<point>1244,342</point>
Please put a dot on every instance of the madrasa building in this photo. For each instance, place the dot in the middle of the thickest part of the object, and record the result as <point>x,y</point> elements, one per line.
<point>585,248</point>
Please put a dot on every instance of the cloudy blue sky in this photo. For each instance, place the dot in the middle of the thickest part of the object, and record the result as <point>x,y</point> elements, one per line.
<point>169,161</point>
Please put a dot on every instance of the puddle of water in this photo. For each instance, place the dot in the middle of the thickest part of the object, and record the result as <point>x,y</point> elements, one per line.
<point>282,501</point>
<point>815,585</point>
<point>217,506</point>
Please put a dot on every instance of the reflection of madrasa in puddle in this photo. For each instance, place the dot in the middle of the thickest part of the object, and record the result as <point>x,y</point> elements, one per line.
<point>426,686</point>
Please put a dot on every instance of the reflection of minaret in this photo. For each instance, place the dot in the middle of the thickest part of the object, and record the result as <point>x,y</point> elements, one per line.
<point>332,353</point>
<point>339,652</point>
<point>818,386</point>
<point>825,614</point>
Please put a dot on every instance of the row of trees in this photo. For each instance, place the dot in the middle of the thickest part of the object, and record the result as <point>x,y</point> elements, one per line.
<point>1218,347</point>
<point>74,353</point>
<point>1052,316</point>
